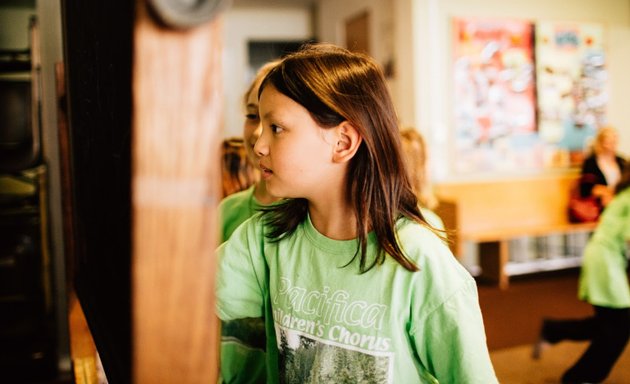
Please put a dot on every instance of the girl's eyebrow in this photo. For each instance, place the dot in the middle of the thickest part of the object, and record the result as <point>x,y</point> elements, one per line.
<point>273,116</point>
<point>252,105</point>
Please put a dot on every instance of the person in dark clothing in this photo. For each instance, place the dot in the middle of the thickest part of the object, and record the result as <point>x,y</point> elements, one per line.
<point>602,170</point>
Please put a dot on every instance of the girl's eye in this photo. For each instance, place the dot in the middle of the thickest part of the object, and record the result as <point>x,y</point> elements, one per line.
<point>251,116</point>
<point>276,129</point>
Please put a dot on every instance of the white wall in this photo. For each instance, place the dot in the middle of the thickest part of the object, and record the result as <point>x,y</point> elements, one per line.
<point>619,87</point>
<point>333,14</point>
<point>242,24</point>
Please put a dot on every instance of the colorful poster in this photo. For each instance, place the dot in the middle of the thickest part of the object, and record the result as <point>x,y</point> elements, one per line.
<point>494,100</point>
<point>571,80</point>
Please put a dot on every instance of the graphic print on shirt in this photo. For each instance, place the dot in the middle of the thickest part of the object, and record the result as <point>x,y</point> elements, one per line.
<point>325,336</point>
<point>249,332</point>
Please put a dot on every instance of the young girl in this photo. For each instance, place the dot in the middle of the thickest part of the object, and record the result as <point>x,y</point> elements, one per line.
<point>238,207</point>
<point>243,340</point>
<point>604,284</point>
<point>353,285</point>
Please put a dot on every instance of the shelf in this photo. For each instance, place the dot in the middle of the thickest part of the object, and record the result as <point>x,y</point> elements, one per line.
<point>542,265</point>
<point>15,60</point>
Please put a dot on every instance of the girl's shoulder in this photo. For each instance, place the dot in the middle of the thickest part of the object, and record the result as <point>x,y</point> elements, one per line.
<point>236,198</point>
<point>248,229</point>
<point>408,227</point>
<point>440,274</point>
<point>420,243</point>
<point>432,218</point>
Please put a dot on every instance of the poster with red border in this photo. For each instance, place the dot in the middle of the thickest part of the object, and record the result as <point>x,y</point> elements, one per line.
<point>494,95</point>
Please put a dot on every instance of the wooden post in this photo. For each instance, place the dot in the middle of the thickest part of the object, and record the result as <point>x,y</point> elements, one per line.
<point>493,257</point>
<point>175,190</point>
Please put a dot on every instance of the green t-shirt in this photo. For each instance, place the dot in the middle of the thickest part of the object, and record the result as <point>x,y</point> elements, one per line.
<point>335,325</point>
<point>235,209</point>
<point>603,277</point>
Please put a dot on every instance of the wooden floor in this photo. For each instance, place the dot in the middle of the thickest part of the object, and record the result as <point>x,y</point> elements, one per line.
<point>512,318</point>
<point>514,365</point>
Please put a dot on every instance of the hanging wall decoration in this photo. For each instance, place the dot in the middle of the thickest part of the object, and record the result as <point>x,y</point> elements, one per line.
<point>571,79</point>
<point>494,100</point>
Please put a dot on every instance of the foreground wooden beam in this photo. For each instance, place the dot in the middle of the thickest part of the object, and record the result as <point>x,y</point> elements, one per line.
<point>175,191</point>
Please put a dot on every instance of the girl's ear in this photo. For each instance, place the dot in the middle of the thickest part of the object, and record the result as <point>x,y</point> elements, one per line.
<point>348,141</point>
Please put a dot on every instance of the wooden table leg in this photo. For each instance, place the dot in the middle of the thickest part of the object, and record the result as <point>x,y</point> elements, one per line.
<point>493,257</point>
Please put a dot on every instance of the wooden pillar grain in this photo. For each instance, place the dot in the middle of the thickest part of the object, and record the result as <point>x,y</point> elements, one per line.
<point>175,190</point>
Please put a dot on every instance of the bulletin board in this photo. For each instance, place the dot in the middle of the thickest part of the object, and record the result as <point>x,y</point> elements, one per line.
<point>495,115</point>
<point>526,95</point>
<point>571,83</point>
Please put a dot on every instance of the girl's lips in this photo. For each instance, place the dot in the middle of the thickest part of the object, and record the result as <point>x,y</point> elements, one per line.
<point>266,172</point>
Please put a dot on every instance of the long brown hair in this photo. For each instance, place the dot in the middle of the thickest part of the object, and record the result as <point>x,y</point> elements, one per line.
<point>337,85</point>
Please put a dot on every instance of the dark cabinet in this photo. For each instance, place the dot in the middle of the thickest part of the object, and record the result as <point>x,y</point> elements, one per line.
<point>28,336</point>
<point>27,333</point>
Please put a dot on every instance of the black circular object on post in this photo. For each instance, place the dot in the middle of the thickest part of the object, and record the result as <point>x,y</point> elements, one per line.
<point>184,14</point>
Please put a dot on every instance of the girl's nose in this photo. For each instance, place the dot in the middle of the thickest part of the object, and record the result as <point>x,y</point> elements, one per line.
<point>261,148</point>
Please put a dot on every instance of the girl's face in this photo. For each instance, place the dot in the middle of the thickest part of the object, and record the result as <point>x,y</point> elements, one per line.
<point>252,127</point>
<point>296,154</point>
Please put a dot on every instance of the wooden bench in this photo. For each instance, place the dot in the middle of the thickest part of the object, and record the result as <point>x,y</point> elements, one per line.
<point>490,213</point>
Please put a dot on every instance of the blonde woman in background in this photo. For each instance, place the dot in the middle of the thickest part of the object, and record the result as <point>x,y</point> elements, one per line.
<point>601,171</point>
<point>416,160</point>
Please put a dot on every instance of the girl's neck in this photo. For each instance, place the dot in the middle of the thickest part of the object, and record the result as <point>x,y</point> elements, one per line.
<point>262,195</point>
<point>335,221</point>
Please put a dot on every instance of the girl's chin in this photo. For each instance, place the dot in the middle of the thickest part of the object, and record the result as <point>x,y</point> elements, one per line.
<point>275,191</point>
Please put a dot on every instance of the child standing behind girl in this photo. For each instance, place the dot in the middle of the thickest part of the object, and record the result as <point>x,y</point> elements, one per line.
<point>414,150</point>
<point>243,340</point>
<point>353,285</point>
<point>238,207</point>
